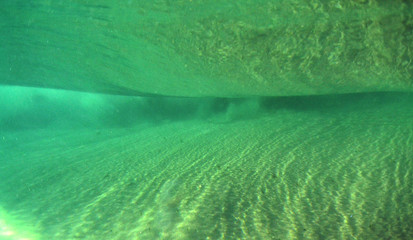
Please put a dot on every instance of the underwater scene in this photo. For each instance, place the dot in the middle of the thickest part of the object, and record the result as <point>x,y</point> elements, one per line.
<point>206,119</point>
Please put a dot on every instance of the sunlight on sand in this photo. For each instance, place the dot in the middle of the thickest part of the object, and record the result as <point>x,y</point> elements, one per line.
<point>10,231</point>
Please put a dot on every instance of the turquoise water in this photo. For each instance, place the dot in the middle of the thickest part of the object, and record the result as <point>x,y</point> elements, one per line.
<point>87,166</point>
<point>206,119</point>
<point>208,48</point>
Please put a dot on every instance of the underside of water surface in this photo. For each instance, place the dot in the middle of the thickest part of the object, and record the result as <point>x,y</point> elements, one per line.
<point>206,119</point>
<point>208,47</point>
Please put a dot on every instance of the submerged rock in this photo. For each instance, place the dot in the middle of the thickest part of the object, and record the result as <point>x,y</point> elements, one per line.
<point>208,48</point>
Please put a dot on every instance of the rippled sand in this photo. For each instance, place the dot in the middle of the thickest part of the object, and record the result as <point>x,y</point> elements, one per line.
<point>288,174</point>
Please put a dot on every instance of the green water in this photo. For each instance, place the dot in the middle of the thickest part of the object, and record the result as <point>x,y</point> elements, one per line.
<point>327,167</point>
<point>206,119</point>
<point>216,48</point>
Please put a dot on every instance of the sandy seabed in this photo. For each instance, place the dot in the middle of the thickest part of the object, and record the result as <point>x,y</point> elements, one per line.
<point>289,174</point>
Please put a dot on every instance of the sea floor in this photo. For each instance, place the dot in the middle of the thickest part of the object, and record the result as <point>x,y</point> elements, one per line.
<point>330,173</point>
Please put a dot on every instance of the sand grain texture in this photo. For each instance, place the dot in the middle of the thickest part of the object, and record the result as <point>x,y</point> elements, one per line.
<point>289,174</point>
